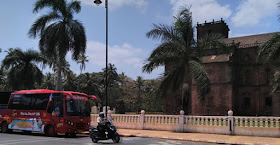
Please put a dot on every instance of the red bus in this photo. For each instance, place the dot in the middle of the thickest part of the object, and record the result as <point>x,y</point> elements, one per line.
<point>47,111</point>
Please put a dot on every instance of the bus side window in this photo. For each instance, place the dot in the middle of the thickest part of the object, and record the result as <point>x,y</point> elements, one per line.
<point>15,102</point>
<point>51,107</point>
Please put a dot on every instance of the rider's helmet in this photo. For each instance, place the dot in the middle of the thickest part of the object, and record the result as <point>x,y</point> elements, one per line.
<point>101,114</point>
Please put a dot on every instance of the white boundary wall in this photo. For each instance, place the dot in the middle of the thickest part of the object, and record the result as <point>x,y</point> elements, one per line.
<point>230,125</point>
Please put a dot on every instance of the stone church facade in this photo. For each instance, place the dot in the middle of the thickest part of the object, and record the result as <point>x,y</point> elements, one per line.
<point>238,81</point>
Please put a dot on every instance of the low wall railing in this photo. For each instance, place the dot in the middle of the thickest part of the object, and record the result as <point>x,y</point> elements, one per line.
<point>162,119</point>
<point>232,125</point>
<point>125,118</point>
<point>206,120</point>
<point>268,122</point>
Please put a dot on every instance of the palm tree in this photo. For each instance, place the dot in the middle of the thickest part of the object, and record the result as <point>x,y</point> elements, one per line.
<point>179,53</point>
<point>212,41</point>
<point>86,83</point>
<point>3,79</point>
<point>112,74</point>
<point>23,71</point>
<point>113,81</point>
<point>269,54</point>
<point>139,82</point>
<point>48,81</point>
<point>82,60</point>
<point>70,82</point>
<point>59,32</point>
<point>65,68</point>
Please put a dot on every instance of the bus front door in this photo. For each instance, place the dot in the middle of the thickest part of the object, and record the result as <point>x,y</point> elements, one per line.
<point>56,109</point>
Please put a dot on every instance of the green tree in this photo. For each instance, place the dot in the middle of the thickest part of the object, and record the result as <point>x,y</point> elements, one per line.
<point>59,33</point>
<point>82,60</point>
<point>113,84</point>
<point>65,67</point>
<point>3,79</point>
<point>128,93</point>
<point>112,75</point>
<point>139,82</point>
<point>70,82</point>
<point>151,102</point>
<point>178,52</point>
<point>23,71</point>
<point>48,81</point>
<point>86,83</point>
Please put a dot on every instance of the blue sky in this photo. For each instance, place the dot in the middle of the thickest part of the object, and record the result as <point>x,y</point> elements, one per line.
<point>129,21</point>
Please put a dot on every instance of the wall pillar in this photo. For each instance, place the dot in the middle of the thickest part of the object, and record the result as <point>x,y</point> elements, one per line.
<point>109,115</point>
<point>230,122</point>
<point>104,109</point>
<point>142,120</point>
<point>94,110</point>
<point>181,121</point>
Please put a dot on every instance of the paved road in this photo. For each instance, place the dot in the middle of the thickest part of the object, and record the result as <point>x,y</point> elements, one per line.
<point>18,138</point>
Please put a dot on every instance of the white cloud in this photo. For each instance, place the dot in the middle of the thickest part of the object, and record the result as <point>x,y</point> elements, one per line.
<point>250,12</point>
<point>120,55</point>
<point>114,4</point>
<point>203,10</point>
<point>125,57</point>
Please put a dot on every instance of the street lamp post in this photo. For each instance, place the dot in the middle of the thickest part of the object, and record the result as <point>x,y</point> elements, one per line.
<point>98,2</point>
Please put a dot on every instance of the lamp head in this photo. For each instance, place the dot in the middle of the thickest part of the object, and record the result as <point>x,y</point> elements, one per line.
<point>97,2</point>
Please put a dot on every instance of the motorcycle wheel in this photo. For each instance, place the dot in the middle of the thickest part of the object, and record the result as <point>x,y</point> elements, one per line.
<point>94,140</point>
<point>116,138</point>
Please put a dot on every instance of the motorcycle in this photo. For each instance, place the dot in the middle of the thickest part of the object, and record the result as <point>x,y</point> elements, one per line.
<point>95,135</point>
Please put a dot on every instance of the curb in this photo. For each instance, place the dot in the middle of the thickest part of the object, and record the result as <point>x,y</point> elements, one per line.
<point>182,139</point>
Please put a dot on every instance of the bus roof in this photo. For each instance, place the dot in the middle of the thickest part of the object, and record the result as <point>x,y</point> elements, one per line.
<point>71,92</point>
<point>92,96</point>
<point>39,91</point>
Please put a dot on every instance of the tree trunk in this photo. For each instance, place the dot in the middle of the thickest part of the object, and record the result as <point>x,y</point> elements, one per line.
<point>59,77</point>
<point>185,87</point>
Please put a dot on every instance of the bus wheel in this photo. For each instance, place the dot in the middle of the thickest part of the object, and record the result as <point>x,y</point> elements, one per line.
<point>4,127</point>
<point>50,131</point>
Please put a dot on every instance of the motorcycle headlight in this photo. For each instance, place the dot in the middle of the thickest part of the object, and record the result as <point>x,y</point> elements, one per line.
<point>72,123</point>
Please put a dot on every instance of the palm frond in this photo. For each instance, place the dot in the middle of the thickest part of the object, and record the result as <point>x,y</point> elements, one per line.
<point>74,6</point>
<point>54,4</point>
<point>166,48</point>
<point>276,81</point>
<point>201,78</point>
<point>172,80</point>
<point>40,24</point>
<point>78,37</point>
<point>155,62</point>
<point>163,32</point>
<point>270,50</point>
<point>184,28</point>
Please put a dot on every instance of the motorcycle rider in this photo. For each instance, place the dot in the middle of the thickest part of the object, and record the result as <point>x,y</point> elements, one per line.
<point>101,124</point>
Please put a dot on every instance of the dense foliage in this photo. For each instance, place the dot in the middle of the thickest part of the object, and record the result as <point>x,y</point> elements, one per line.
<point>124,93</point>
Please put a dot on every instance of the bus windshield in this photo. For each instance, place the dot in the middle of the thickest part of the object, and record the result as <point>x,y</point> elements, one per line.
<point>77,106</point>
